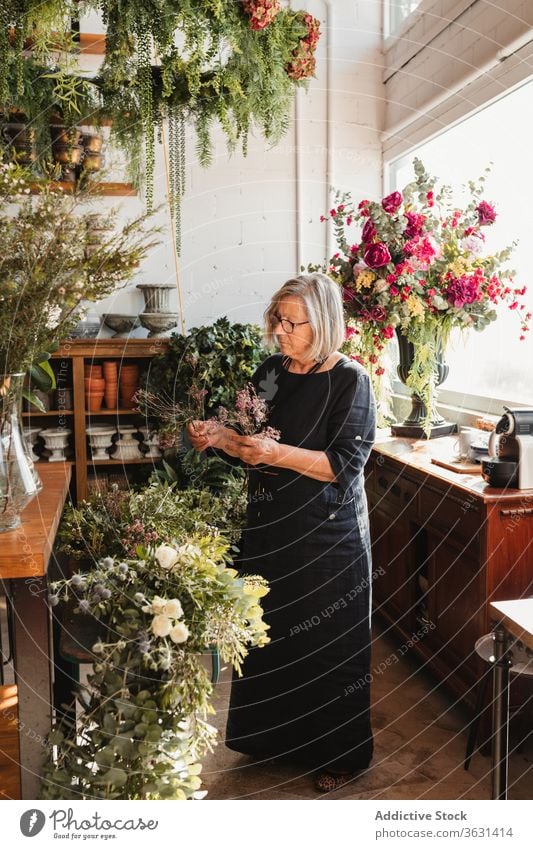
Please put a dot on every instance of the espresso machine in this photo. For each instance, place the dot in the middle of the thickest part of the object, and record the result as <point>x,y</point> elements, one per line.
<point>510,460</point>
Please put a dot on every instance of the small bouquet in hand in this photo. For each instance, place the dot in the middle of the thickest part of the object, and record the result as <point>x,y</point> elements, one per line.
<point>249,417</point>
<point>173,417</point>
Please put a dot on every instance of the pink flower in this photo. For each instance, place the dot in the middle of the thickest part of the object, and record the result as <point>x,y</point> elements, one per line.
<point>415,224</point>
<point>378,313</point>
<point>347,295</point>
<point>377,255</point>
<point>322,218</point>
<point>349,332</point>
<point>333,212</point>
<point>349,220</point>
<point>380,371</point>
<point>429,199</point>
<point>369,231</point>
<point>462,290</point>
<point>392,202</point>
<point>388,331</point>
<point>424,251</point>
<point>394,290</point>
<point>486,213</point>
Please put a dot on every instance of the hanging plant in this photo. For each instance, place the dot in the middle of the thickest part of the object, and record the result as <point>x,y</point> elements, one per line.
<point>233,64</point>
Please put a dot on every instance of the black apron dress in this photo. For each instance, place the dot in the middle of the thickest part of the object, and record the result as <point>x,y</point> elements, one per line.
<point>304,697</point>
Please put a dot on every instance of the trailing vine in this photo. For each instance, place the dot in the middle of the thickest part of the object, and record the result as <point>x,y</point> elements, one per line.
<point>233,63</point>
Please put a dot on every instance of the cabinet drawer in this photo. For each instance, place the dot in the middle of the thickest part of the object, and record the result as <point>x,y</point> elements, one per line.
<point>390,488</point>
<point>451,513</point>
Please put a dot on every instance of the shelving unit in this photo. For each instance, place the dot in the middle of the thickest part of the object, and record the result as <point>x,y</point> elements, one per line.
<point>99,189</point>
<point>72,357</point>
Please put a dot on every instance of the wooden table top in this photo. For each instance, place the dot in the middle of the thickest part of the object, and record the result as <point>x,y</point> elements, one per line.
<point>25,551</point>
<point>516,616</point>
<point>418,454</point>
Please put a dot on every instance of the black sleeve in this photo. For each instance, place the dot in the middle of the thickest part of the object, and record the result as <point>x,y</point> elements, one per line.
<point>351,431</point>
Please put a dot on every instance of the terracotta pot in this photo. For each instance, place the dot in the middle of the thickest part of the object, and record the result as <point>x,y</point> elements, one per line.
<point>64,135</point>
<point>111,398</point>
<point>94,401</point>
<point>128,378</point>
<point>93,371</point>
<point>110,368</point>
<point>92,142</point>
<point>94,384</point>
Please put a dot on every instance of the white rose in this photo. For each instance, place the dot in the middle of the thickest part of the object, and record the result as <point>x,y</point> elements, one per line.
<point>179,633</point>
<point>157,604</point>
<point>173,608</point>
<point>161,625</point>
<point>166,556</point>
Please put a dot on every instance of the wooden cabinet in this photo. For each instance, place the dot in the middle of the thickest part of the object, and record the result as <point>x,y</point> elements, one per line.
<point>69,366</point>
<point>447,545</point>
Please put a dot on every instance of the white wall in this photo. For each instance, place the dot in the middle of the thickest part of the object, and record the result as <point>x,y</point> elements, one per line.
<point>249,223</point>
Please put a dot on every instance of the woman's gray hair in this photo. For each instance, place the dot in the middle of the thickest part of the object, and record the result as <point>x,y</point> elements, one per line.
<point>323,302</point>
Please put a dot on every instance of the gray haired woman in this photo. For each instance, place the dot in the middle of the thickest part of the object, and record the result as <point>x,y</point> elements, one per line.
<point>305,696</point>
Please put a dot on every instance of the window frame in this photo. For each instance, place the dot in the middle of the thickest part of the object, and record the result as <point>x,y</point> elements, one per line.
<point>462,402</point>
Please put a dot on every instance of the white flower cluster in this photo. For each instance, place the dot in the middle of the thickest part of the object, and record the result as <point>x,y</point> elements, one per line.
<point>170,558</point>
<point>167,613</point>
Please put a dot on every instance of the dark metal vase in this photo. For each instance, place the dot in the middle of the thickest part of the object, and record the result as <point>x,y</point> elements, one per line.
<point>412,425</point>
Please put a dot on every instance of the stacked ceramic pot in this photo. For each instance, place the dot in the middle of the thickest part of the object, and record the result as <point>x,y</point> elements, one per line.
<point>150,443</point>
<point>110,370</point>
<point>128,447</point>
<point>129,383</point>
<point>157,316</point>
<point>94,388</point>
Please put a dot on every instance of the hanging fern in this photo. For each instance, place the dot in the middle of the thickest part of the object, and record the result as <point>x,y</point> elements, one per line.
<point>230,66</point>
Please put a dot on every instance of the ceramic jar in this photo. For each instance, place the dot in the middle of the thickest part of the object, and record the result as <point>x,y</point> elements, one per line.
<point>100,440</point>
<point>31,435</point>
<point>56,440</point>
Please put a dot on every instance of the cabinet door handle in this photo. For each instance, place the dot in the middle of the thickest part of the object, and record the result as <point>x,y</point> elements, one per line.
<point>517,512</point>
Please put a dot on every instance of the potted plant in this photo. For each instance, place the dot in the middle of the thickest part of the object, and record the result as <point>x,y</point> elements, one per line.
<point>157,602</point>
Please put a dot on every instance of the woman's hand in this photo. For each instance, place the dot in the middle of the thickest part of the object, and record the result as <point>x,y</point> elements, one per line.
<point>254,450</point>
<point>203,435</point>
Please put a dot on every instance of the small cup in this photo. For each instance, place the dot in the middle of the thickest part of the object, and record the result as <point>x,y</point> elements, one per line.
<point>466,436</point>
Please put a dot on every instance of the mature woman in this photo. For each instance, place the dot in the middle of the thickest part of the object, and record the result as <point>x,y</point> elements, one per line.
<point>305,696</point>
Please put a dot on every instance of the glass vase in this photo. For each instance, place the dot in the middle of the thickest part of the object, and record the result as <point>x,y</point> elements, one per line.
<point>19,481</point>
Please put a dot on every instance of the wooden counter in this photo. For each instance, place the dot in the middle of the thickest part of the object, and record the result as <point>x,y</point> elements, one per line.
<point>26,709</point>
<point>25,551</point>
<point>445,545</point>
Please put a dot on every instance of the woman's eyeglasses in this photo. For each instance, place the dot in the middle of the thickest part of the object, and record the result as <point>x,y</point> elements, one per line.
<point>288,326</point>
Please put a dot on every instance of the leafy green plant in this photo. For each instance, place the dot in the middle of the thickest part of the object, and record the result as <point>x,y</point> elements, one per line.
<point>143,724</point>
<point>224,69</point>
<point>114,522</point>
<point>46,269</point>
<point>218,358</point>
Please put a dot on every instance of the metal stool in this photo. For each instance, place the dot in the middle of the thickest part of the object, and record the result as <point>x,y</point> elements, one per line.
<point>518,661</point>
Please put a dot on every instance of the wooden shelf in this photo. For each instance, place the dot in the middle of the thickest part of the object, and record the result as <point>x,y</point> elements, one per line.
<point>122,462</point>
<point>99,189</point>
<point>125,412</point>
<point>44,462</point>
<point>28,413</point>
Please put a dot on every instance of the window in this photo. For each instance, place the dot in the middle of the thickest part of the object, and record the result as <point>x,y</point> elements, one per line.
<point>494,363</point>
<point>398,11</point>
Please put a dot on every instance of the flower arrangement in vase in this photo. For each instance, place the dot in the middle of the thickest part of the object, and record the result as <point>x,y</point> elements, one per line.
<point>417,271</point>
